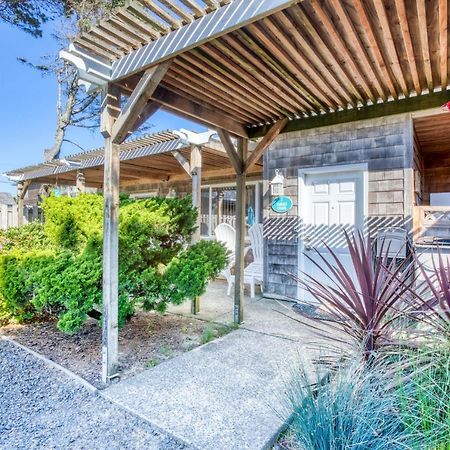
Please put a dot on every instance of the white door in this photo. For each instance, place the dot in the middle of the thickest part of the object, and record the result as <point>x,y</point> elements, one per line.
<point>330,203</point>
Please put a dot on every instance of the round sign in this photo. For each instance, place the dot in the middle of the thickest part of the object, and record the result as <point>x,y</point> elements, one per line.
<point>282,204</point>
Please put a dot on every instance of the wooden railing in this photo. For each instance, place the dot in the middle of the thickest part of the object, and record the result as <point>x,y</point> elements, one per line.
<point>432,221</point>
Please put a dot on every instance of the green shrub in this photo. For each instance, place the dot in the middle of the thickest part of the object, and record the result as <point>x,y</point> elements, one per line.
<point>26,238</point>
<point>156,266</point>
<point>186,277</point>
<point>18,277</point>
<point>425,399</point>
<point>71,221</point>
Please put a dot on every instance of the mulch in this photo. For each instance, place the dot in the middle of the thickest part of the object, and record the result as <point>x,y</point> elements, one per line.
<point>148,339</point>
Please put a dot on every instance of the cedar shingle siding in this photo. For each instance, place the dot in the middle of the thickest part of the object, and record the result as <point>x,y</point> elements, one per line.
<point>384,143</point>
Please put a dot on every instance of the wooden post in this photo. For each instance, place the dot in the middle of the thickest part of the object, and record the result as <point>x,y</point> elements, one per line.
<point>196,174</point>
<point>22,188</point>
<point>110,333</point>
<point>242,149</point>
<point>81,182</point>
<point>220,195</point>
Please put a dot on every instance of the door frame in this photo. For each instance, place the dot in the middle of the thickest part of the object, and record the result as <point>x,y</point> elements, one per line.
<point>361,168</point>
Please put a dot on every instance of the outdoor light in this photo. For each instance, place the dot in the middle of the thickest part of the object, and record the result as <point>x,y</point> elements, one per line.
<point>277,184</point>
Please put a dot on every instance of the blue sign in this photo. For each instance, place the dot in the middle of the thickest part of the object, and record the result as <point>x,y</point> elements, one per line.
<point>282,204</point>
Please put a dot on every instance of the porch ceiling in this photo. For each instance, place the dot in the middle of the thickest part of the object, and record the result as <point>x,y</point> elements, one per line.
<point>146,160</point>
<point>311,58</point>
<point>433,134</point>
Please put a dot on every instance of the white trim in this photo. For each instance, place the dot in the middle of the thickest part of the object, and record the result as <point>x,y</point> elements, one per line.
<point>215,24</point>
<point>302,173</point>
<point>258,205</point>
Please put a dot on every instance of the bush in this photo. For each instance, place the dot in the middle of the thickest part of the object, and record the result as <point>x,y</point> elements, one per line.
<point>26,238</point>
<point>156,266</point>
<point>353,410</point>
<point>186,277</point>
<point>425,399</point>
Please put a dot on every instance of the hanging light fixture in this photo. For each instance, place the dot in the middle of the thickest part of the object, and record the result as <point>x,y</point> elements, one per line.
<point>277,184</point>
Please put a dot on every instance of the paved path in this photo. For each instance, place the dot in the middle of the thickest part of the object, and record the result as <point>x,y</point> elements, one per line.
<point>42,408</point>
<point>229,393</point>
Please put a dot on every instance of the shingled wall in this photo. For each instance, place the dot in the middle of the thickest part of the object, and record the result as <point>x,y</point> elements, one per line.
<point>384,143</point>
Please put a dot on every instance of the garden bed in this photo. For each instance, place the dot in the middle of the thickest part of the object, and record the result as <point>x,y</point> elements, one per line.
<point>145,341</point>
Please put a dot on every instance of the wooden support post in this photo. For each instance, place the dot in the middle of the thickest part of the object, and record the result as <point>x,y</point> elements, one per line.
<point>242,149</point>
<point>81,182</point>
<point>22,188</point>
<point>110,335</point>
<point>196,174</point>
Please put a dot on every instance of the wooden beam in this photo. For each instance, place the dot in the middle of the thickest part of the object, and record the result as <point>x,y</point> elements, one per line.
<point>110,337</point>
<point>80,182</point>
<point>184,163</point>
<point>424,44</point>
<point>361,50</point>
<point>241,193</point>
<point>265,142</point>
<point>443,37</point>
<point>367,25</point>
<point>138,99</point>
<point>235,159</point>
<point>225,20</point>
<point>390,46</point>
<point>149,109</point>
<point>110,109</point>
<point>198,111</point>
<point>196,174</point>
<point>406,34</point>
<point>410,104</point>
<point>350,63</point>
<point>22,189</point>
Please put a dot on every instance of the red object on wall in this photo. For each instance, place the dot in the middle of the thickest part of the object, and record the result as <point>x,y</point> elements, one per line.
<point>446,106</point>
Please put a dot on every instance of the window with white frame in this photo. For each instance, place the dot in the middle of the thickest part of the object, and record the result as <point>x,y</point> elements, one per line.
<point>219,206</point>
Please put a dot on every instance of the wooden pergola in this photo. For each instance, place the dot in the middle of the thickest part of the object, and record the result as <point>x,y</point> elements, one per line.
<point>252,69</point>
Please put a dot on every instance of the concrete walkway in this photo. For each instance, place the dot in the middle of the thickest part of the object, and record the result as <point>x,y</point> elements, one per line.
<point>228,394</point>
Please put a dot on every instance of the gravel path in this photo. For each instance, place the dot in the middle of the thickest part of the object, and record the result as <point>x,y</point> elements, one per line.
<point>42,408</point>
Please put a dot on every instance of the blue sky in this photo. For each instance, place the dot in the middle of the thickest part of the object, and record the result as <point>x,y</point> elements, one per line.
<point>27,109</point>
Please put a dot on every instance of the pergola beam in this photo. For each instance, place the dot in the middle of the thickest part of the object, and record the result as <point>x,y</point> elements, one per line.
<point>265,142</point>
<point>410,104</point>
<point>222,21</point>
<point>184,163</point>
<point>137,101</point>
<point>235,159</point>
<point>200,112</point>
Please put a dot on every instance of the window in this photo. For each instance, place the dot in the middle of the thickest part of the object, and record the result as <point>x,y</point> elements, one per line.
<point>218,205</point>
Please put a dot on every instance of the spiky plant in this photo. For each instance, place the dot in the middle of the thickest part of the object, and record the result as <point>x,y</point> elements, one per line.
<point>433,297</point>
<point>367,300</point>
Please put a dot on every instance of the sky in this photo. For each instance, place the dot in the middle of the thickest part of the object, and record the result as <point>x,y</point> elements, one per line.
<point>28,106</point>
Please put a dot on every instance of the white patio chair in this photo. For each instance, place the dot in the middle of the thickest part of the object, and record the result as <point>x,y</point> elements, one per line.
<point>253,273</point>
<point>226,234</point>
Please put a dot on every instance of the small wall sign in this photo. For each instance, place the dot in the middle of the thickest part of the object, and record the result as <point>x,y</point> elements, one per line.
<point>281,204</point>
